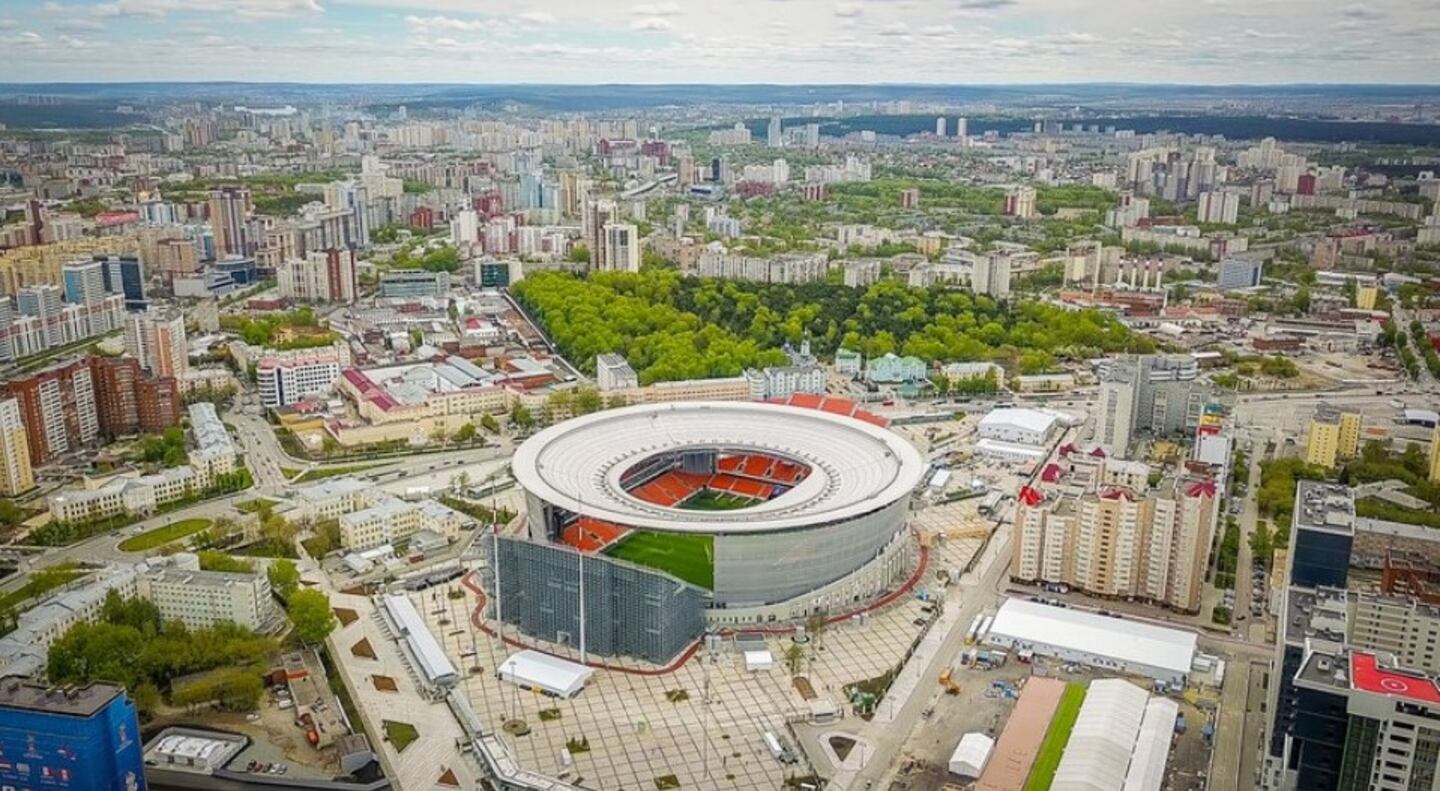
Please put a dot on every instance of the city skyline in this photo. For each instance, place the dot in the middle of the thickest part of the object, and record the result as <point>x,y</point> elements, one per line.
<point>775,41</point>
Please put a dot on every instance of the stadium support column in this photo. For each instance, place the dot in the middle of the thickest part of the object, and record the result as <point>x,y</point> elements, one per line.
<point>582,606</point>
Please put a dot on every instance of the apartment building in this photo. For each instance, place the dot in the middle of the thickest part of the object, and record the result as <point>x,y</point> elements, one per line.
<point>16,475</point>
<point>1333,436</point>
<point>1155,394</point>
<point>157,339</point>
<point>319,276</point>
<point>1107,534</point>
<point>129,402</point>
<point>286,377</point>
<point>58,407</point>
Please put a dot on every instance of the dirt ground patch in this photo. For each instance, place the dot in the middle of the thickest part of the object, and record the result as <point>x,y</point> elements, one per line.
<point>346,616</point>
<point>803,686</point>
<point>384,683</point>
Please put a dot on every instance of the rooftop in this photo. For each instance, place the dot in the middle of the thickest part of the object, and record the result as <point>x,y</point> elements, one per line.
<point>18,692</point>
<point>1130,641</point>
<point>1324,506</point>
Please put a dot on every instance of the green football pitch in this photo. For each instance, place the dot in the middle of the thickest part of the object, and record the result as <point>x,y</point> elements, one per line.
<point>689,557</point>
<point>711,500</point>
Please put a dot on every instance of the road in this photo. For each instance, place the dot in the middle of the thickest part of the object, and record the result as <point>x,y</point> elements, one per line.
<point>974,592</point>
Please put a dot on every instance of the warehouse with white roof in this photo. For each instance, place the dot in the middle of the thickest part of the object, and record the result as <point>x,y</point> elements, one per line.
<point>1117,644</point>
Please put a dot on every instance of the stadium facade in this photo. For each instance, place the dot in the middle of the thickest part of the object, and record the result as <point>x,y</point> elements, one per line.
<point>736,512</point>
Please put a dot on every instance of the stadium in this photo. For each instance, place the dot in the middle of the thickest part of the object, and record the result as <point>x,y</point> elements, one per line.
<point>755,503</point>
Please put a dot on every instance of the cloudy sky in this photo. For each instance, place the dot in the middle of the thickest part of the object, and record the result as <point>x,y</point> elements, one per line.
<point>786,41</point>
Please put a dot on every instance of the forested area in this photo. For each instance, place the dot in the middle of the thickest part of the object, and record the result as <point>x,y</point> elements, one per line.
<point>671,327</point>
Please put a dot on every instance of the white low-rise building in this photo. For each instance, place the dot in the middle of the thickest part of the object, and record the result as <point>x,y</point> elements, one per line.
<point>370,517</point>
<point>201,599</point>
<point>1023,426</point>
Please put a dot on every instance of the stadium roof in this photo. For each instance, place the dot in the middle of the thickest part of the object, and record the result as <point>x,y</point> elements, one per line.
<point>1115,638</point>
<point>855,467</point>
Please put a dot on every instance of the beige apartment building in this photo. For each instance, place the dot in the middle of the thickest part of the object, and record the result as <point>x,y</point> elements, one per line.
<point>1333,437</point>
<point>1104,538</point>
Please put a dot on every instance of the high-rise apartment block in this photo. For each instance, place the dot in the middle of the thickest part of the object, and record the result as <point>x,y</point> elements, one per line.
<point>598,214</point>
<point>1096,525</point>
<point>1221,208</point>
<point>1239,273</point>
<point>58,407</point>
<point>16,475</point>
<point>1334,435</point>
<point>129,402</point>
<point>1153,394</point>
<point>157,340</point>
<point>229,219</point>
<point>320,276</point>
<point>1020,202</point>
<point>622,248</point>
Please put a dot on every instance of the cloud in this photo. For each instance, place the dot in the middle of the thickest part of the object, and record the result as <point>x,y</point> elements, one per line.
<point>984,5</point>
<point>1362,12</point>
<point>537,17</point>
<point>848,10</point>
<point>79,24</point>
<point>656,9</point>
<point>251,9</point>
<point>72,42</point>
<point>895,29</point>
<point>9,24</point>
<point>651,24</point>
<point>448,23</point>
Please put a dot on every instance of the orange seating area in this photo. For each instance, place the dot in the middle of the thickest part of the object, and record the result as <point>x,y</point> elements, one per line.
<point>671,488</point>
<point>743,486</point>
<point>591,535</point>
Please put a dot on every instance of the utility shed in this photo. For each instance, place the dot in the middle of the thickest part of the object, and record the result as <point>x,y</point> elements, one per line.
<point>551,675</point>
<point>971,755</point>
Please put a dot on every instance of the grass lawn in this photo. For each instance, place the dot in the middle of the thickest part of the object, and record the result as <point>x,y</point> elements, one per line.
<point>163,535</point>
<point>332,472</point>
<point>400,734</point>
<point>689,557</point>
<point>711,500</point>
<point>39,584</point>
<point>1047,760</point>
<point>253,506</point>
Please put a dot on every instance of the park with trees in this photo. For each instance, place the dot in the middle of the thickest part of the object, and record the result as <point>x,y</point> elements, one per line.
<point>671,327</point>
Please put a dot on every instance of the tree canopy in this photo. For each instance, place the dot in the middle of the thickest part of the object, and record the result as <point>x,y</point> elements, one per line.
<point>670,327</point>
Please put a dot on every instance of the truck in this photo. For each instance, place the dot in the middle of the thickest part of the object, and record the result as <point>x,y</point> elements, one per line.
<point>777,747</point>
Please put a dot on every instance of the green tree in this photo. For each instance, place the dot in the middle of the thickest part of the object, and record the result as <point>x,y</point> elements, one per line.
<point>520,416</point>
<point>284,577</point>
<point>10,513</point>
<point>579,254</point>
<point>489,423</point>
<point>465,433</point>
<point>310,611</point>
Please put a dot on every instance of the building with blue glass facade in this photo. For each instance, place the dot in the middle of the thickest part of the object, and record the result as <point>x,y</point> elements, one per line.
<point>72,738</point>
<point>124,275</point>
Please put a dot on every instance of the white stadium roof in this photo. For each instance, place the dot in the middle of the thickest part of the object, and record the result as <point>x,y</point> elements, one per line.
<point>1115,638</point>
<point>856,466</point>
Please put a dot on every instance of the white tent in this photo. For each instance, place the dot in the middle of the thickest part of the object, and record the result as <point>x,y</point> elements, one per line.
<point>971,755</point>
<point>1098,753</point>
<point>1152,747</point>
<point>549,674</point>
<point>756,661</point>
